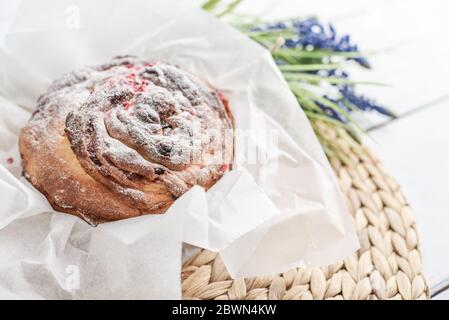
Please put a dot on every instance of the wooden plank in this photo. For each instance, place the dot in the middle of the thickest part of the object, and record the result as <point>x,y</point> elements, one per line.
<point>444,295</point>
<point>410,33</point>
<point>415,151</point>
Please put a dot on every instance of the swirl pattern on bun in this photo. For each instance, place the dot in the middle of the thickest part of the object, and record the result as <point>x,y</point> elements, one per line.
<point>126,138</point>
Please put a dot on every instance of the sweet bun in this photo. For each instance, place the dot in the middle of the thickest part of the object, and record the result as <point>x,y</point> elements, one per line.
<point>126,138</point>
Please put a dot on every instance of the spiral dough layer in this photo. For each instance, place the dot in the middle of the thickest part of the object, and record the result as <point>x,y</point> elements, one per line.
<point>125,139</point>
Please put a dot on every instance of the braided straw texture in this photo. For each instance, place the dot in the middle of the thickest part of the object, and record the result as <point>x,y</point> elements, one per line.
<point>387,266</point>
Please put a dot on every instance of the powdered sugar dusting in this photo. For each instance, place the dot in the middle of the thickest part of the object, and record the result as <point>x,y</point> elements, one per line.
<point>133,123</point>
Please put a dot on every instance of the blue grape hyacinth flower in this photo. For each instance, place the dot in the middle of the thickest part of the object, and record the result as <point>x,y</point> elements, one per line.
<point>310,33</point>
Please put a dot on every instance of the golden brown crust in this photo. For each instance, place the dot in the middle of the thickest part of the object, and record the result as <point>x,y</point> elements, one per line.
<point>105,143</point>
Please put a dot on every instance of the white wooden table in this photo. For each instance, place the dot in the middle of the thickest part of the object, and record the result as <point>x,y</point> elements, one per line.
<point>415,147</point>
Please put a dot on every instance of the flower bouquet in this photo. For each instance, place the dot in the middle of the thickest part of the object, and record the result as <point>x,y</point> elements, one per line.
<point>314,60</point>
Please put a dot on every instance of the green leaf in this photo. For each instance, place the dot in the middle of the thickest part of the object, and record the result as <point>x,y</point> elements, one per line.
<point>324,101</point>
<point>321,53</point>
<point>326,118</point>
<point>270,34</point>
<point>307,67</point>
<point>291,76</point>
<point>210,4</point>
<point>230,8</point>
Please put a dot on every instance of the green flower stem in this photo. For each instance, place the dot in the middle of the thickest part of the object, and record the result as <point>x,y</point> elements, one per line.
<point>308,67</point>
<point>229,9</point>
<point>292,76</point>
<point>210,4</point>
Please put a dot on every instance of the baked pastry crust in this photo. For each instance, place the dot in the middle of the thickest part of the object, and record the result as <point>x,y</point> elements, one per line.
<point>125,139</point>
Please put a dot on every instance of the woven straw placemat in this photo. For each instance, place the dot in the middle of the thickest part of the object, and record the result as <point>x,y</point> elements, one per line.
<point>387,266</point>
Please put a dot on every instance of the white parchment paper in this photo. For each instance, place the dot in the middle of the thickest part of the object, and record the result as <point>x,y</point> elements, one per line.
<point>268,215</point>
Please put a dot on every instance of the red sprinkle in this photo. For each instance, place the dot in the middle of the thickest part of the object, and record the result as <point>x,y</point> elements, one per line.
<point>129,65</point>
<point>10,160</point>
<point>141,87</point>
<point>149,64</point>
<point>224,167</point>
<point>137,87</point>
<point>127,104</point>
